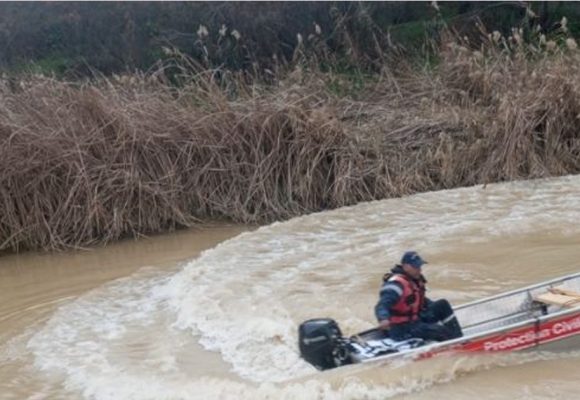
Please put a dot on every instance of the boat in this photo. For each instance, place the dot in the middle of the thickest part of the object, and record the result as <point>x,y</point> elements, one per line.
<point>543,316</point>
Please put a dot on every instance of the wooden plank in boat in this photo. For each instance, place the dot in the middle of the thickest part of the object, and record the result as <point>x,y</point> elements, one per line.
<point>557,298</point>
<point>566,292</point>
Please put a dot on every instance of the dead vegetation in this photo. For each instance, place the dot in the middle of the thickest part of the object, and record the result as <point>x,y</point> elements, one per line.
<point>132,155</point>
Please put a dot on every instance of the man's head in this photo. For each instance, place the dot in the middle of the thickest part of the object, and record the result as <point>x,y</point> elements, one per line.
<point>411,262</point>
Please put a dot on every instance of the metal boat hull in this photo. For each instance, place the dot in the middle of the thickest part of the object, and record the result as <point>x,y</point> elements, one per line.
<point>523,319</point>
<point>511,321</point>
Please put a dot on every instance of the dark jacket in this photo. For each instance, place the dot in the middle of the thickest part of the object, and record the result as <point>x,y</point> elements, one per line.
<point>391,292</point>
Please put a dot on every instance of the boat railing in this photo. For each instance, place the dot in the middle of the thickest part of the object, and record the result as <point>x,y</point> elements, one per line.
<point>512,307</point>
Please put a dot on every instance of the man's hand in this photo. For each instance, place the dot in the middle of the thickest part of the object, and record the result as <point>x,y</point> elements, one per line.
<point>384,324</point>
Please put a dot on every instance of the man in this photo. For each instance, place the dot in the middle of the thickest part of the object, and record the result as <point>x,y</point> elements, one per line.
<point>406,312</point>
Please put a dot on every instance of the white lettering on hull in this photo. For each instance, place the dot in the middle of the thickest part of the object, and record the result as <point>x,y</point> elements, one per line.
<point>528,338</point>
<point>564,327</point>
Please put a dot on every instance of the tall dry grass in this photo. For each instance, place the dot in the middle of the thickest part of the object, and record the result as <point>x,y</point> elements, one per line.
<point>87,163</point>
<point>100,161</point>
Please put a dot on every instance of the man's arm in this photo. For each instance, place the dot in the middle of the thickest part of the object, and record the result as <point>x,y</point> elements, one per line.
<point>390,294</point>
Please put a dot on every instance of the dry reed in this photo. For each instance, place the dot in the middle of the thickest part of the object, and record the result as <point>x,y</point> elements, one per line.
<point>86,164</point>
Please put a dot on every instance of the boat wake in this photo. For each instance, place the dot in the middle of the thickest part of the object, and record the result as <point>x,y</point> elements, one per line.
<point>138,337</point>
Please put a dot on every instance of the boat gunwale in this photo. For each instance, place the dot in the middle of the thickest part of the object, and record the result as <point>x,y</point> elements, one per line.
<point>516,291</point>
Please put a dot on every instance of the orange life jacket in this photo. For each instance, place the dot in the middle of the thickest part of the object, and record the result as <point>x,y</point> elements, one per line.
<point>411,302</point>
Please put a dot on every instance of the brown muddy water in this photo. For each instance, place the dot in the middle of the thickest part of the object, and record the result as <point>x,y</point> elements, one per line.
<point>157,319</point>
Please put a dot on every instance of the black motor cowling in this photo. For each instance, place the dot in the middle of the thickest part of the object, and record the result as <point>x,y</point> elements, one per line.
<point>321,343</point>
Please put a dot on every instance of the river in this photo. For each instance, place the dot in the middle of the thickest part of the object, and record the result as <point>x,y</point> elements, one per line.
<point>213,313</point>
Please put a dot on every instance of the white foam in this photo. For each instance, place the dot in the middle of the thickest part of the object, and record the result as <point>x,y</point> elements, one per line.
<point>236,295</point>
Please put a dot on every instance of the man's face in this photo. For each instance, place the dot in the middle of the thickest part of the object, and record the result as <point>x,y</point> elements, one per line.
<point>412,271</point>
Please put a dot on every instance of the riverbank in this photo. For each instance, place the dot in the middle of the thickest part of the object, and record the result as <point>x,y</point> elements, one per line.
<point>126,156</point>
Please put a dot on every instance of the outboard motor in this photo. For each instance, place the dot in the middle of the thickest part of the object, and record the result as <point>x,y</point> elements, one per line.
<point>321,343</point>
